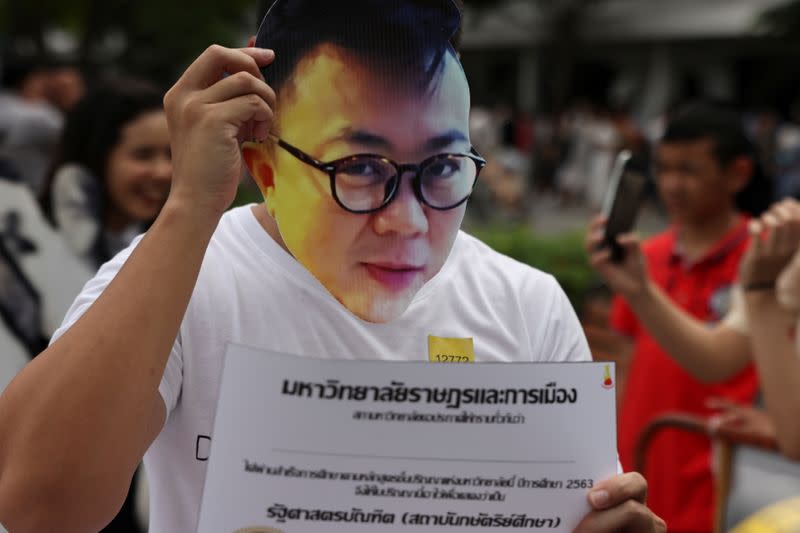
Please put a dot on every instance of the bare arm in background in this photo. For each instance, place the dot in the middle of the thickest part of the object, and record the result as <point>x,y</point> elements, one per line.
<point>773,328</point>
<point>78,419</point>
<point>775,354</point>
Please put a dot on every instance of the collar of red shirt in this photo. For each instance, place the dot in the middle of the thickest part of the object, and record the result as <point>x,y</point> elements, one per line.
<point>719,251</point>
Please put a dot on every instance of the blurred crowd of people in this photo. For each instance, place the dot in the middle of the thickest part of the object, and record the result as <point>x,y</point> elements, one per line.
<point>569,155</point>
<point>84,168</point>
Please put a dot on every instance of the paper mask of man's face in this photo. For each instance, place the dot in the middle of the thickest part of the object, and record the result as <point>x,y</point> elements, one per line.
<point>370,163</point>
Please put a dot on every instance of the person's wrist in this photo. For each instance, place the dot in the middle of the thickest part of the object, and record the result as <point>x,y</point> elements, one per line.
<point>759,296</point>
<point>193,201</point>
<point>647,291</point>
<point>641,290</point>
<point>183,211</point>
<point>744,278</point>
<point>758,286</point>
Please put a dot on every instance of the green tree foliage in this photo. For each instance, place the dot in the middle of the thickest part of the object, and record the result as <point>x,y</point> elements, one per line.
<point>563,256</point>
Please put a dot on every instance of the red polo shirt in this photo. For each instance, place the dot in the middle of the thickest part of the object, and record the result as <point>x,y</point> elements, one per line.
<point>679,463</point>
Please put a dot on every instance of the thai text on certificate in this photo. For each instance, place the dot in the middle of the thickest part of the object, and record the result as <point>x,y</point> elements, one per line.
<point>311,445</point>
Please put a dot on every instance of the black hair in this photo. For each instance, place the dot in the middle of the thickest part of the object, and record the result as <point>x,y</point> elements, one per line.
<point>93,129</point>
<point>17,70</point>
<point>406,39</point>
<point>725,128</point>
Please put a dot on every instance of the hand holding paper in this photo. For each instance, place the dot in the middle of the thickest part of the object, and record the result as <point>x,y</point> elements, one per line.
<point>618,505</point>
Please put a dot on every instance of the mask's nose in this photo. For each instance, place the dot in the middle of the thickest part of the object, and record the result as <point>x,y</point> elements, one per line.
<point>404,215</point>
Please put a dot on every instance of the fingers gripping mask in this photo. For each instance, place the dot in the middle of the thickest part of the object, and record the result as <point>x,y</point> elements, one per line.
<point>369,165</point>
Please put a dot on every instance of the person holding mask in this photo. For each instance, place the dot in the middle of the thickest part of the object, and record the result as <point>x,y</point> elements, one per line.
<point>366,165</point>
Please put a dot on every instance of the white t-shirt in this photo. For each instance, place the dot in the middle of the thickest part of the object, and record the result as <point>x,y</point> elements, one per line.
<point>251,291</point>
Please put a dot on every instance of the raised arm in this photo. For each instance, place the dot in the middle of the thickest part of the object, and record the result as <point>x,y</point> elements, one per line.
<point>76,421</point>
<point>778,364</point>
<point>709,354</point>
<point>773,318</point>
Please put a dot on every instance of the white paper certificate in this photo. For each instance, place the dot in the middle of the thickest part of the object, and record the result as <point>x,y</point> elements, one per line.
<point>306,445</point>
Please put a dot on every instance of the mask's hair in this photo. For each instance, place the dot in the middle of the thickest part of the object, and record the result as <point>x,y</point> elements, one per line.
<point>402,40</point>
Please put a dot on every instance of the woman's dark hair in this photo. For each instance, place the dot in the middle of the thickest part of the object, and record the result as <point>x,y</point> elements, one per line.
<point>91,131</point>
<point>406,40</point>
<point>725,128</point>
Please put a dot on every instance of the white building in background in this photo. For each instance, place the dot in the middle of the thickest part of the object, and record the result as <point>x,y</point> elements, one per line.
<point>646,53</point>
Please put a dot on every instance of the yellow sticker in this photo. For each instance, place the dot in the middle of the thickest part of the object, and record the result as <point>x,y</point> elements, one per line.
<point>446,350</point>
<point>782,517</point>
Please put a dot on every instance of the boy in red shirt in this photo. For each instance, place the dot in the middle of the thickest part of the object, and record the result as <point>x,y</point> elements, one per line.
<point>704,169</point>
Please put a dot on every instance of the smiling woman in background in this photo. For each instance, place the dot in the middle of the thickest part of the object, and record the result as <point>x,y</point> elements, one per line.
<point>113,171</point>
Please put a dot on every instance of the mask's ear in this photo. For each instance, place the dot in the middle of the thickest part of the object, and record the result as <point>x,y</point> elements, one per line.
<point>259,162</point>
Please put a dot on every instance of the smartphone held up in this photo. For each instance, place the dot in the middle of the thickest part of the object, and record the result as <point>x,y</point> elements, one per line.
<point>626,188</point>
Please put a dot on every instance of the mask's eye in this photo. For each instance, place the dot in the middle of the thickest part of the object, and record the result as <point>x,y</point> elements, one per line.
<point>364,168</point>
<point>363,172</point>
<point>442,169</point>
<point>448,179</point>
